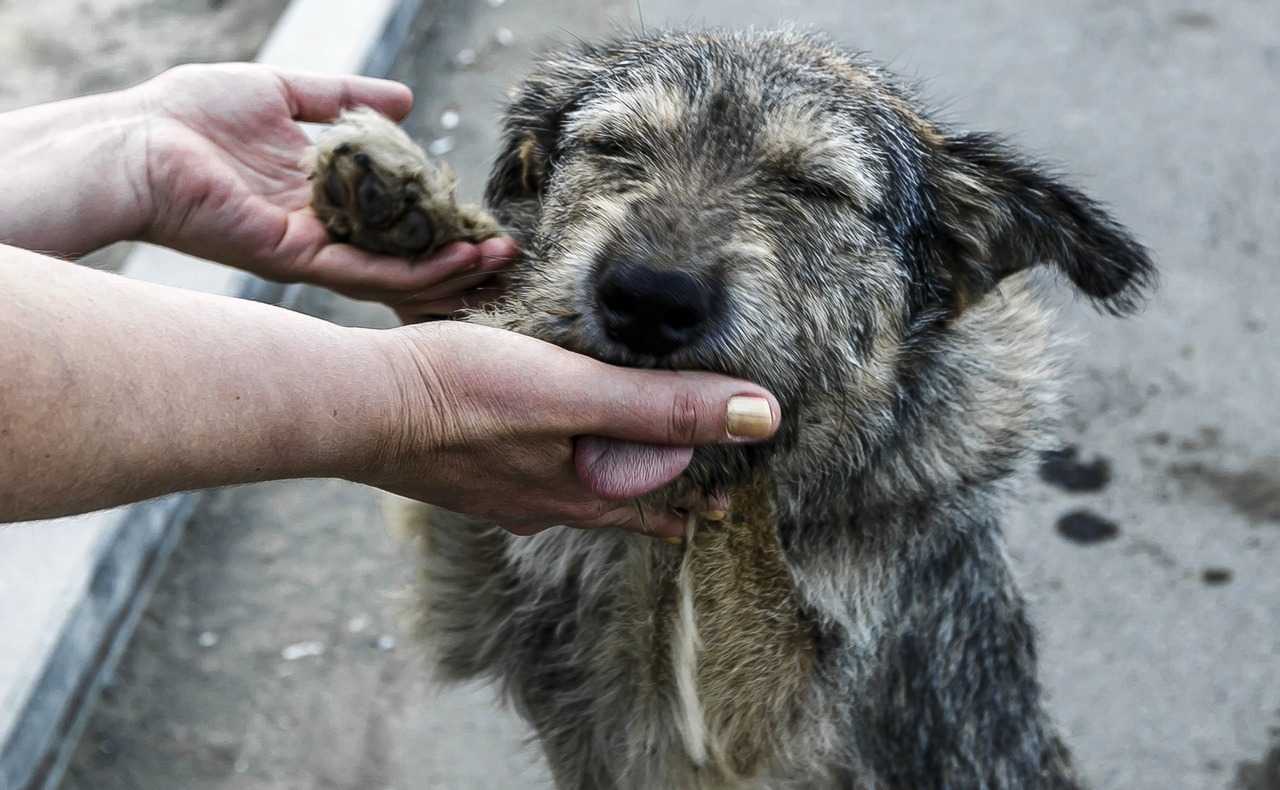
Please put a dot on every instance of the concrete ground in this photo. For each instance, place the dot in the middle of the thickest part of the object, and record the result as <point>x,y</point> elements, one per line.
<point>58,49</point>
<point>272,656</point>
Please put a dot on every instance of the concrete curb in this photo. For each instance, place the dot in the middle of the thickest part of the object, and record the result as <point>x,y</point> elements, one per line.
<point>73,589</point>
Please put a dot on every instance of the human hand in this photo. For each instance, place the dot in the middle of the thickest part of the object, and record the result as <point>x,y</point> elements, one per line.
<point>528,435</point>
<point>222,148</point>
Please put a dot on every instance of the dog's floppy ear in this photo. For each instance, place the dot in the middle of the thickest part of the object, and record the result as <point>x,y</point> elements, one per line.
<point>533,125</point>
<point>1002,214</point>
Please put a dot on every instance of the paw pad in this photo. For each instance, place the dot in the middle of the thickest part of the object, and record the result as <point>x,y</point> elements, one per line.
<point>375,188</point>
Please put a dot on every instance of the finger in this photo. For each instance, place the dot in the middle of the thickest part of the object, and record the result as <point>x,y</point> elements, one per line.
<point>312,257</point>
<point>450,307</point>
<point>495,256</point>
<point>457,285</point>
<point>713,507</point>
<point>459,268</point>
<point>625,470</point>
<point>634,517</point>
<point>446,272</point>
<point>498,252</point>
<point>675,408</point>
<point>466,291</point>
<point>344,267</point>
<point>399,280</point>
<point>319,98</point>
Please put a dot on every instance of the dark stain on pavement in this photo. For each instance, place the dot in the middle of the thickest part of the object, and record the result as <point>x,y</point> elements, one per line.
<point>1064,469</point>
<point>1195,20</point>
<point>1207,438</point>
<point>1253,492</point>
<point>1086,527</point>
<point>1262,775</point>
<point>1216,577</point>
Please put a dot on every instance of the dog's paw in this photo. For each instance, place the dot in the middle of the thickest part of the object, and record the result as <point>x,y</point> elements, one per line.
<point>374,187</point>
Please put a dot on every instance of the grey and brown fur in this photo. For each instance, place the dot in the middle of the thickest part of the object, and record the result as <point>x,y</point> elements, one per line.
<point>856,621</point>
<point>374,187</point>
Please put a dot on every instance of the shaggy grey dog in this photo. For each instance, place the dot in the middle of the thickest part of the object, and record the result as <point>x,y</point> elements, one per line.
<point>770,207</point>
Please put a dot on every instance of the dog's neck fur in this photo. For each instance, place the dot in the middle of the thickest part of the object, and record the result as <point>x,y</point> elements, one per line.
<point>850,521</point>
<point>980,409</point>
<point>969,407</point>
<point>866,532</point>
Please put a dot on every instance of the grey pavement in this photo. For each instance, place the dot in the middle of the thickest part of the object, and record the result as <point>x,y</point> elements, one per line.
<point>1161,644</point>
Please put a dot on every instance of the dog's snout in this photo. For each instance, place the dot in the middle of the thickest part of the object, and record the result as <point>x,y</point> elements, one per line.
<point>653,311</point>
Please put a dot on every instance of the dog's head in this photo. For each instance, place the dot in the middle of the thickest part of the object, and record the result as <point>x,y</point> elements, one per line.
<point>767,206</point>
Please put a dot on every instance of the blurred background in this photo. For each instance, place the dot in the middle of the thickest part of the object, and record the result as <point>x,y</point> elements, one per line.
<point>273,654</point>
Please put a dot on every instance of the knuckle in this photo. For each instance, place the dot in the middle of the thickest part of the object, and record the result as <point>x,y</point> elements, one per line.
<point>684,421</point>
<point>591,511</point>
<point>589,514</point>
<point>616,522</point>
<point>615,519</point>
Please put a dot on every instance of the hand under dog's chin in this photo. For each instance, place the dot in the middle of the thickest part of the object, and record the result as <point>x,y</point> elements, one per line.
<point>711,470</point>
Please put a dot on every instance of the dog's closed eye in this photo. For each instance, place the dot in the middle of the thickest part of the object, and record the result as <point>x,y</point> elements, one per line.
<point>607,146</point>
<point>623,159</point>
<point>816,185</point>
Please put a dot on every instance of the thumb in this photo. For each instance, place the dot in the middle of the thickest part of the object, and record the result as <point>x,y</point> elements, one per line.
<point>625,470</point>
<point>681,409</point>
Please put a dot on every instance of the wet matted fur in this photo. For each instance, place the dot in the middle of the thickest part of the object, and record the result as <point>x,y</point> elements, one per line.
<point>854,622</point>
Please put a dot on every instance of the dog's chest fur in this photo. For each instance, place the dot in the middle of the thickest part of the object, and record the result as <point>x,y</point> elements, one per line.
<point>596,618</point>
<point>755,650</point>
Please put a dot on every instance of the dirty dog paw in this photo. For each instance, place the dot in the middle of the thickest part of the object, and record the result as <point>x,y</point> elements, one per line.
<point>374,187</point>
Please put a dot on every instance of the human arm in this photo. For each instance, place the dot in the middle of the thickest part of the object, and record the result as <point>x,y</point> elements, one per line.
<point>206,159</point>
<point>115,390</point>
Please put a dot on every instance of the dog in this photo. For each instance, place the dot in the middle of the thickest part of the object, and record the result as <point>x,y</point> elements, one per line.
<point>768,206</point>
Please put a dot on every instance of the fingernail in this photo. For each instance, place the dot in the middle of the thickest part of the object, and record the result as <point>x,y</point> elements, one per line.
<point>715,515</point>
<point>748,417</point>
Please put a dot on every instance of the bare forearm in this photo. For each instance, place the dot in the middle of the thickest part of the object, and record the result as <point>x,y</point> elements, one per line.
<point>114,391</point>
<point>74,182</point>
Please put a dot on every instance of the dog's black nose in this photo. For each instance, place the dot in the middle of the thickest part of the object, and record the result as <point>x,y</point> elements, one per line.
<point>651,311</point>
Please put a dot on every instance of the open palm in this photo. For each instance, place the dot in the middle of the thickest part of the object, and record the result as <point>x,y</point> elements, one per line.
<point>223,153</point>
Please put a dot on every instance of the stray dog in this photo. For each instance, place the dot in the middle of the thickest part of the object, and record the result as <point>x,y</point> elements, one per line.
<point>770,207</point>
